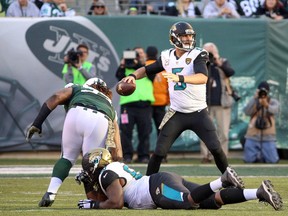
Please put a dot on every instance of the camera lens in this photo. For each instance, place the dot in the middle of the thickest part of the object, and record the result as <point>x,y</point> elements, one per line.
<point>262,93</point>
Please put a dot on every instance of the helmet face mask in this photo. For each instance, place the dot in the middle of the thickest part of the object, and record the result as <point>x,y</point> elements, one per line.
<point>178,30</point>
<point>97,158</point>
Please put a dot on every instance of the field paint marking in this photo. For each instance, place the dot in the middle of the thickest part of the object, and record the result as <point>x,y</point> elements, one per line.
<point>47,169</point>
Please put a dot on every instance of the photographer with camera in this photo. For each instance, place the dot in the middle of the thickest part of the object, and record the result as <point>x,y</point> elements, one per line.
<point>260,138</point>
<point>77,69</point>
<point>220,98</point>
<point>135,108</point>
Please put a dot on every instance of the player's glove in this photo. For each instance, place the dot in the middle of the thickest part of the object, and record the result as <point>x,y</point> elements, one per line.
<point>82,177</point>
<point>31,130</point>
<point>88,204</point>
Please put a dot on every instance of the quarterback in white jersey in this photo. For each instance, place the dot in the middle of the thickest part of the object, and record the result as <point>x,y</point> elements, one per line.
<point>187,75</point>
<point>124,186</point>
<point>185,97</point>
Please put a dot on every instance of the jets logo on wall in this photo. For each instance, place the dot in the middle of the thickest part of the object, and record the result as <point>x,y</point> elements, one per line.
<point>51,39</point>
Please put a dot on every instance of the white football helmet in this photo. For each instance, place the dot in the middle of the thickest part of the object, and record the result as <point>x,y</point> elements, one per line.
<point>94,81</point>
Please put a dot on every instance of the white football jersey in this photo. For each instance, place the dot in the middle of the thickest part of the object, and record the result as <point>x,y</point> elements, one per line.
<point>136,189</point>
<point>184,97</point>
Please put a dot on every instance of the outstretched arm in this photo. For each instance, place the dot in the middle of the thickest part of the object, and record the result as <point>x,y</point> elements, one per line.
<point>50,104</point>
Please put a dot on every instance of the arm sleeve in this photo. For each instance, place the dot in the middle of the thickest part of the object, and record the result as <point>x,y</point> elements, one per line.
<point>200,63</point>
<point>155,67</point>
<point>107,177</point>
<point>249,109</point>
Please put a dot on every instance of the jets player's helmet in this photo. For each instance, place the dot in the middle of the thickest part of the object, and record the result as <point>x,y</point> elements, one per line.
<point>179,29</point>
<point>94,81</point>
<point>97,158</point>
<point>99,85</point>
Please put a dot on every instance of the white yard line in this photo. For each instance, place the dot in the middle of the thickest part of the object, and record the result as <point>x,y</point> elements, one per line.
<point>47,169</point>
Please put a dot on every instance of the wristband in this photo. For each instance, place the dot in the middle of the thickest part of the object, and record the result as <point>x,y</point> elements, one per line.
<point>133,75</point>
<point>181,78</point>
<point>95,204</point>
<point>42,115</point>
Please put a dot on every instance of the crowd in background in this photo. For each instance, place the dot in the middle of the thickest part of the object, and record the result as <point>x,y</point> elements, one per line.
<point>272,9</point>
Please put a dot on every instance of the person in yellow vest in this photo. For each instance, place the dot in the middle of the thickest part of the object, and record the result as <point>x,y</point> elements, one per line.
<point>160,91</point>
<point>77,69</point>
<point>136,108</point>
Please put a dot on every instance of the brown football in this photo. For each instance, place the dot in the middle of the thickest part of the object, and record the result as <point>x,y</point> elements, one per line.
<point>124,88</point>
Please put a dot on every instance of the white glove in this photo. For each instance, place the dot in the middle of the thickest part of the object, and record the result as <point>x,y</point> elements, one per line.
<point>88,204</point>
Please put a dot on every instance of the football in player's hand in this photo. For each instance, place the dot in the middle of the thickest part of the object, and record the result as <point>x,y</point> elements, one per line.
<point>125,88</point>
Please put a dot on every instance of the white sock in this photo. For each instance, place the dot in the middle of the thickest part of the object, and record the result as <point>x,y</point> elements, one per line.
<point>54,185</point>
<point>216,184</point>
<point>250,194</point>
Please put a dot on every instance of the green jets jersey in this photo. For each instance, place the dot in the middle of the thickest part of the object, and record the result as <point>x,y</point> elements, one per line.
<point>93,99</point>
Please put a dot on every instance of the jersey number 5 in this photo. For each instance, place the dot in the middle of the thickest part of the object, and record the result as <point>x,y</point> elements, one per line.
<point>178,86</point>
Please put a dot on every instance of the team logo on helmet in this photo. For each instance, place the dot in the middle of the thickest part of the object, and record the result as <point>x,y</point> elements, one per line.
<point>189,31</point>
<point>97,158</point>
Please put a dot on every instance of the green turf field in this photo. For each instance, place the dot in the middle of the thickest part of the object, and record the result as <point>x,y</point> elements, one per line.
<point>20,193</point>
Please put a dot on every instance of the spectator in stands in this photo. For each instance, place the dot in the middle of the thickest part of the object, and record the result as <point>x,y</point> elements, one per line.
<point>133,11</point>
<point>186,8</point>
<point>22,8</point>
<point>142,7</point>
<point>247,9</point>
<point>219,99</point>
<point>260,143</point>
<point>79,71</point>
<point>98,8</point>
<point>69,12</point>
<point>4,4</point>
<point>38,3</point>
<point>220,9</point>
<point>91,7</point>
<point>273,9</point>
<point>51,9</point>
